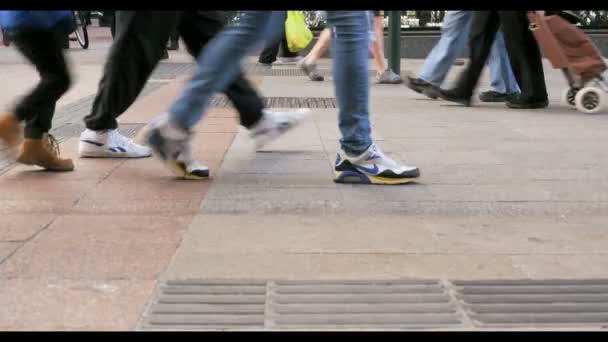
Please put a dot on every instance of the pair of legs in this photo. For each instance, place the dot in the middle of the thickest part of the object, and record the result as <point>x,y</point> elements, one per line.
<point>44,49</point>
<point>385,75</point>
<point>359,160</point>
<point>453,42</point>
<point>271,50</point>
<point>454,35</point>
<point>524,55</point>
<point>139,44</point>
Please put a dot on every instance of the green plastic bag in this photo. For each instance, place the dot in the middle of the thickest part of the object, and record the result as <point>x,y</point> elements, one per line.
<point>297,33</point>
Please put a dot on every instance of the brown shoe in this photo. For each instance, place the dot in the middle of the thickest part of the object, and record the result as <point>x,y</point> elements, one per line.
<point>10,130</point>
<point>44,153</point>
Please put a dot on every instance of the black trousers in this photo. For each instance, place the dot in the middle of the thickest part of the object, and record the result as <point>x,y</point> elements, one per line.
<point>523,50</point>
<point>271,49</point>
<point>140,42</point>
<point>44,49</point>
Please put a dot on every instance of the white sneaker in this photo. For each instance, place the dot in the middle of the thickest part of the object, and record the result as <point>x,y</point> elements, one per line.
<point>274,124</point>
<point>372,167</point>
<point>109,144</point>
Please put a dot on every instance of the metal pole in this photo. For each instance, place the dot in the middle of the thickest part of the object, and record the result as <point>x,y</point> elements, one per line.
<point>394,37</point>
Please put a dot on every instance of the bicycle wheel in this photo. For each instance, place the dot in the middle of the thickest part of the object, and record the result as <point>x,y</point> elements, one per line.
<point>81,30</point>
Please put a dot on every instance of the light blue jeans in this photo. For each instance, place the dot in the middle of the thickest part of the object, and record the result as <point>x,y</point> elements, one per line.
<point>218,66</point>
<point>453,41</point>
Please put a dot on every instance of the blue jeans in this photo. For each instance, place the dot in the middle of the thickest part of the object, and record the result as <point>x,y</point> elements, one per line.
<point>219,63</point>
<point>453,41</point>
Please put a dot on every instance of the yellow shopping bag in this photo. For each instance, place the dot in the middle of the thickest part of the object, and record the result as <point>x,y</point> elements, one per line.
<point>297,33</point>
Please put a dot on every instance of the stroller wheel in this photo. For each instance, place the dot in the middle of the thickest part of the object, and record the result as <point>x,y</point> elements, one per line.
<point>590,100</point>
<point>568,96</point>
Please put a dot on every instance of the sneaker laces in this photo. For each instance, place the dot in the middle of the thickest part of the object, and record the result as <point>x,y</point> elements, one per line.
<point>378,154</point>
<point>52,144</point>
<point>116,137</point>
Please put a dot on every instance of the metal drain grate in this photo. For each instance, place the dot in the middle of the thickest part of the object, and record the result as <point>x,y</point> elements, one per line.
<point>221,101</point>
<point>363,305</point>
<point>200,305</point>
<point>553,303</point>
<point>169,71</point>
<point>277,305</point>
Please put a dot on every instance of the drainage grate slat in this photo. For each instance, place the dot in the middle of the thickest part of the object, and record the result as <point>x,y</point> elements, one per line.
<point>213,289</point>
<point>504,282</point>
<point>221,101</point>
<point>533,289</point>
<point>207,319</point>
<point>541,307</point>
<point>389,308</point>
<point>205,282</point>
<point>208,308</point>
<point>212,299</point>
<point>361,298</point>
<point>284,283</point>
<point>365,319</point>
<point>542,318</point>
<point>536,298</point>
<point>324,289</point>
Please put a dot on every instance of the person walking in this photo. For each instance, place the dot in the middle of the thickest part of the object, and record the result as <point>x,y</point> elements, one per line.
<point>359,159</point>
<point>269,54</point>
<point>141,40</point>
<point>524,55</point>
<point>38,36</point>
<point>384,74</point>
<point>453,42</point>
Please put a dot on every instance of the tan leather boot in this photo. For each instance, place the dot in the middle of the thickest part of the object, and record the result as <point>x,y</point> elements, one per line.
<point>44,153</point>
<point>10,130</point>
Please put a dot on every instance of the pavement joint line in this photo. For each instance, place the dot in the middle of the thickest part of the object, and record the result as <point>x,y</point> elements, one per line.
<point>45,227</point>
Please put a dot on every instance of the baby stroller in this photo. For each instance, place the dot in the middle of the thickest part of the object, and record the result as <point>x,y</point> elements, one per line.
<point>569,49</point>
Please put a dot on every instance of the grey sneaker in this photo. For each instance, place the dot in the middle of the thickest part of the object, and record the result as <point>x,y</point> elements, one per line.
<point>172,146</point>
<point>311,71</point>
<point>389,77</point>
<point>289,60</point>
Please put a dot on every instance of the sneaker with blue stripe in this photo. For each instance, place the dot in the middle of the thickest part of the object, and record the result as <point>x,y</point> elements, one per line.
<point>372,167</point>
<point>109,144</point>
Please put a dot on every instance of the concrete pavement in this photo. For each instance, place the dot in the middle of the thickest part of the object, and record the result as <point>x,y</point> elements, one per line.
<point>504,194</point>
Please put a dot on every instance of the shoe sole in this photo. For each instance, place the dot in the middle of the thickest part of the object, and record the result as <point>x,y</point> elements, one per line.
<point>390,82</point>
<point>111,155</point>
<point>350,177</point>
<point>181,172</point>
<point>493,100</point>
<point>527,106</point>
<point>426,90</point>
<point>30,162</point>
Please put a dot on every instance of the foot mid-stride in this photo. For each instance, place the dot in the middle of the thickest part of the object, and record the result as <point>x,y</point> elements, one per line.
<point>372,167</point>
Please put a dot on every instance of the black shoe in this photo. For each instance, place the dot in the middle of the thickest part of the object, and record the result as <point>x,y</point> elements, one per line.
<point>420,86</point>
<point>494,96</point>
<point>518,102</point>
<point>451,96</point>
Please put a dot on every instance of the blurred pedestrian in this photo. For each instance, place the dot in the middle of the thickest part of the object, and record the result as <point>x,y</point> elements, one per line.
<point>359,159</point>
<point>38,36</point>
<point>453,42</point>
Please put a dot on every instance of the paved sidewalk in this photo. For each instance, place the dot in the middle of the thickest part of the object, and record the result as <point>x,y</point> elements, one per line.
<point>504,194</point>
